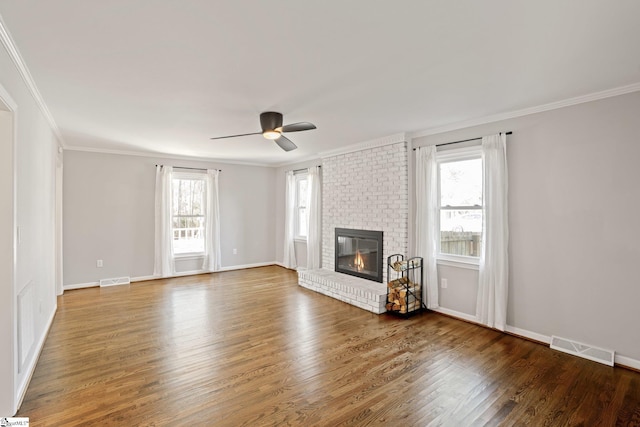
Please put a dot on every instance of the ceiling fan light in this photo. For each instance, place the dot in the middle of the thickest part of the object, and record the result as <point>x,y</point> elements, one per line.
<point>271,134</point>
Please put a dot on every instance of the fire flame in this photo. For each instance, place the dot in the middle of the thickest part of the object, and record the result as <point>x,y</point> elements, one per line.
<point>358,261</point>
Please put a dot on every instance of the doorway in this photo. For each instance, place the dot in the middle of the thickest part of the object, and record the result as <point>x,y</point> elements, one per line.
<point>8,359</point>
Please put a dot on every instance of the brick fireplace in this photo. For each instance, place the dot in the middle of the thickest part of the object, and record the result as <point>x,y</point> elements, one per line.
<point>364,189</point>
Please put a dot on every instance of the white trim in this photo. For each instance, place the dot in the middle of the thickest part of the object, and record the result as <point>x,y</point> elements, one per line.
<point>22,389</point>
<point>458,264</point>
<point>609,93</point>
<point>511,329</point>
<point>6,98</point>
<point>144,278</point>
<point>305,159</point>
<point>14,54</point>
<point>627,362</point>
<point>243,266</point>
<point>185,273</point>
<point>80,286</point>
<point>621,361</point>
<point>528,334</point>
<point>190,256</point>
<point>378,142</point>
<point>180,274</point>
<point>12,108</point>
<point>457,314</point>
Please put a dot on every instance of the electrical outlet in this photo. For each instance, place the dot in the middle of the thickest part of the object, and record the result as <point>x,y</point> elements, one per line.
<point>444,283</point>
<point>99,263</point>
<point>235,251</point>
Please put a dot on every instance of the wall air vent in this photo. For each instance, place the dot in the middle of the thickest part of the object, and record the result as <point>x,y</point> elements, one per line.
<point>115,281</point>
<point>583,350</point>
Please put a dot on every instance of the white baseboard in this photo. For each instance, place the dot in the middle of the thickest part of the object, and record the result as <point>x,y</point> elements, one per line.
<point>627,361</point>
<point>619,360</point>
<point>528,334</point>
<point>180,274</point>
<point>80,286</point>
<point>144,278</point>
<point>22,388</point>
<point>511,329</point>
<point>243,266</point>
<point>458,314</point>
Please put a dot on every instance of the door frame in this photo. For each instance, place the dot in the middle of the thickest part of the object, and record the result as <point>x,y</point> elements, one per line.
<point>8,270</point>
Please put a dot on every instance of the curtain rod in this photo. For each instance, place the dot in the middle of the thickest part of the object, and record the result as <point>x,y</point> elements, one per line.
<point>464,140</point>
<point>303,169</point>
<point>193,169</point>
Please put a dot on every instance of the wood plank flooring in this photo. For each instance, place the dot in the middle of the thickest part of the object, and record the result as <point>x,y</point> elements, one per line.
<point>252,348</point>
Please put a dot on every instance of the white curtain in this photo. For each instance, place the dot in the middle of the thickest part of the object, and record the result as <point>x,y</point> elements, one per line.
<point>314,208</point>
<point>491,307</point>
<point>426,219</point>
<point>289,224</point>
<point>212,223</point>
<point>164,265</point>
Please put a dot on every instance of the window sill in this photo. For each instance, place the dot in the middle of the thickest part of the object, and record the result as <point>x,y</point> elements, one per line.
<point>184,257</point>
<point>469,264</point>
<point>300,240</point>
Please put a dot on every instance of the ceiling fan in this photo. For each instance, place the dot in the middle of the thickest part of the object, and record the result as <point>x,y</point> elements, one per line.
<point>271,123</point>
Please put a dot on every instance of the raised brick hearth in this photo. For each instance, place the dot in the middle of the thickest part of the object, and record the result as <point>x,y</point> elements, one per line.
<point>363,293</point>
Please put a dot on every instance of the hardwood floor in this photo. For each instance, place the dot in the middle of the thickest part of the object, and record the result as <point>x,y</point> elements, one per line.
<point>252,348</point>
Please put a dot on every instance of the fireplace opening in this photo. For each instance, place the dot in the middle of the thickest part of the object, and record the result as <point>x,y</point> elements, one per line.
<point>359,253</point>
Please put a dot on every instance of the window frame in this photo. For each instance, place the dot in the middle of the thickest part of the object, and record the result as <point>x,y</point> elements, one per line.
<point>450,156</point>
<point>300,176</point>
<point>179,175</point>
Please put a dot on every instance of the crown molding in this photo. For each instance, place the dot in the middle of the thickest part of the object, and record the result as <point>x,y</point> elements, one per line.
<point>622,90</point>
<point>378,142</point>
<point>14,54</point>
<point>309,158</point>
<point>165,156</point>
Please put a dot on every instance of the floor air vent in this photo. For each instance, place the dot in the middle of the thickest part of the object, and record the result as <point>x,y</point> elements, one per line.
<point>115,281</point>
<point>582,350</point>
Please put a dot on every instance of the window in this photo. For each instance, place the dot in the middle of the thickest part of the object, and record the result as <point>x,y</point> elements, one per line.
<point>460,203</point>
<point>188,213</point>
<point>301,215</point>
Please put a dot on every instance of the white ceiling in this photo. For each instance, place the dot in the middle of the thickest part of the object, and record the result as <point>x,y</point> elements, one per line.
<point>165,76</point>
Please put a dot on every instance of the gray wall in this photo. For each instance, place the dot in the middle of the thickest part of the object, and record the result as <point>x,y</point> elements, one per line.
<point>574,202</point>
<point>109,215</point>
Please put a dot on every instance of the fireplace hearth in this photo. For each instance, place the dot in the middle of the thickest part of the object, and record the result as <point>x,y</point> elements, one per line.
<point>359,253</point>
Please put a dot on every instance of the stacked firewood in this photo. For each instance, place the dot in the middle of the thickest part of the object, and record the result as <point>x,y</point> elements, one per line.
<point>402,265</point>
<point>401,295</point>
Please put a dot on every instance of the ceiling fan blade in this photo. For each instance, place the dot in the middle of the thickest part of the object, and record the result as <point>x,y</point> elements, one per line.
<point>297,127</point>
<point>285,143</point>
<point>233,136</point>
